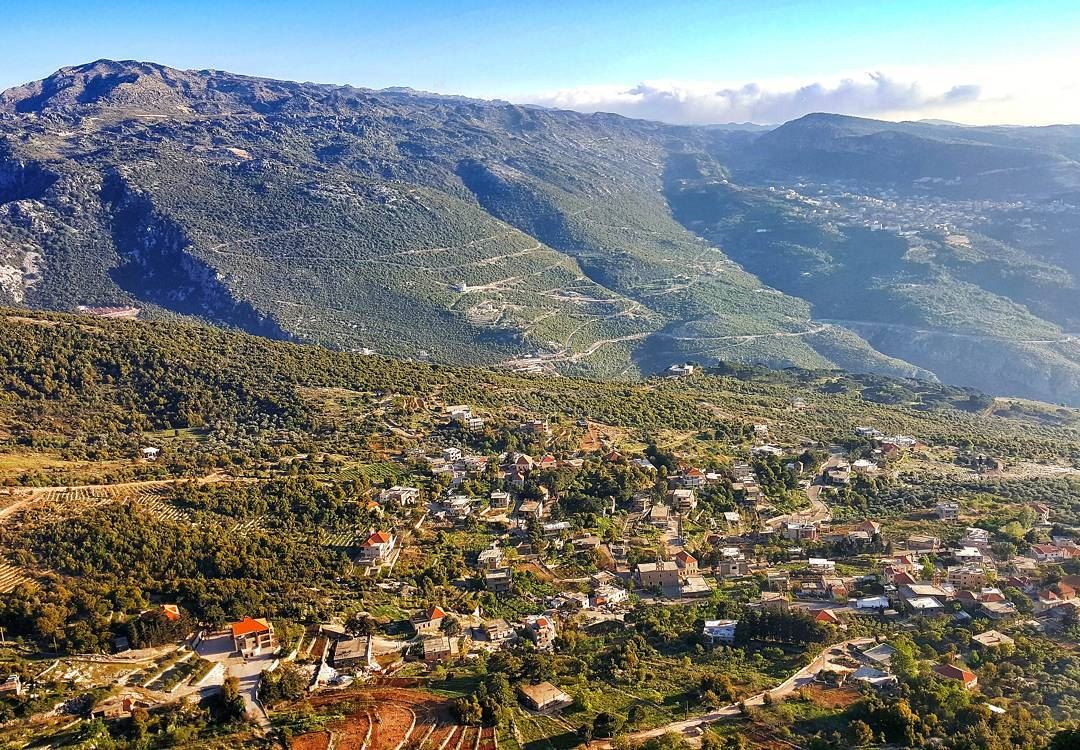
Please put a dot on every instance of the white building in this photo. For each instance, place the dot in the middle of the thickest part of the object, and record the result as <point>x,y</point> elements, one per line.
<point>720,631</point>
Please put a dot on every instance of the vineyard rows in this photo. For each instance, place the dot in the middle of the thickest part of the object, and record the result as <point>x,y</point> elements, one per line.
<point>10,578</point>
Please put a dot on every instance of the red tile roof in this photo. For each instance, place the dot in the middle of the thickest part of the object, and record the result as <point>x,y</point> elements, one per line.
<point>250,625</point>
<point>379,537</point>
<point>953,672</point>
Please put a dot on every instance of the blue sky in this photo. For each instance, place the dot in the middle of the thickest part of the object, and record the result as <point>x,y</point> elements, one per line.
<point>688,61</point>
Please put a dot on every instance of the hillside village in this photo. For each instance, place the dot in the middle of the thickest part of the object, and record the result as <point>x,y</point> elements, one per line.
<point>534,578</point>
<point>664,531</point>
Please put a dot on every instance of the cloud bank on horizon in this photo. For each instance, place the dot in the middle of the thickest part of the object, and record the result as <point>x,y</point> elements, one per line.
<point>875,95</point>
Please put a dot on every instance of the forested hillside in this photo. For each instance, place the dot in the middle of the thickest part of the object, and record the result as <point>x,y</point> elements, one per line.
<point>473,232</point>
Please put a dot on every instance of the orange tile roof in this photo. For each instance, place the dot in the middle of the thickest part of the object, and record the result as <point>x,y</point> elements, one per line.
<point>250,625</point>
<point>378,537</point>
<point>171,611</point>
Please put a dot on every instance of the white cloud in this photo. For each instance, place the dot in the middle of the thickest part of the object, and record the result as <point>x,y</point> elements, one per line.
<point>1035,94</point>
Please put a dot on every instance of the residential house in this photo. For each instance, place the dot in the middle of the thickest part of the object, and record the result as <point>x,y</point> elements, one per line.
<point>838,475</point>
<point>998,610</point>
<point>720,631</point>
<point>732,564</point>
<point>948,511</point>
<point>925,605</point>
<point>798,532</point>
<point>541,630</point>
<point>543,697</point>
<point>975,537</point>
<point>607,595</point>
<point>429,621</point>
<point>968,555</point>
<point>641,502</point>
<point>1042,513</point>
<point>820,565</point>
<point>350,653</point>
<point>658,575</point>
<point>733,521</point>
<point>682,500</point>
<point>1047,552</point>
<point>253,636</point>
<point>499,580</point>
<point>774,601</point>
<point>499,500</point>
<point>680,371</point>
<point>871,528</point>
<point>688,564</point>
<point>440,648</point>
<point>660,516</point>
<point>923,543</point>
<point>490,558</point>
<point>961,674</point>
<point>693,586</point>
<point>535,427</point>
<point>691,478</point>
<point>150,454</point>
<point>864,467</point>
<point>118,707</point>
<point>399,495</point>
<point>459,506</point>
<point>879,656</point>
<point>992,639</point>
<point>968,576</point>
<point>531,509</point>
<point>378,547</point>
<point>778,580</point>
<point>498,631</point>
<point>827,617</point>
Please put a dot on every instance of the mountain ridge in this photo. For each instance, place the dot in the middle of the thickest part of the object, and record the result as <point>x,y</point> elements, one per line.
<point>472,231</point>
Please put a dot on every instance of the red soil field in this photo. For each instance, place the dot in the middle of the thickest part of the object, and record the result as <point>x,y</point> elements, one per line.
<point>398,718</point>
<point>311,741</point>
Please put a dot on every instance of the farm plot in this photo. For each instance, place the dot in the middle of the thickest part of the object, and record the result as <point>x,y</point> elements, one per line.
<point>376,473</point>
<point>11,577</point>
<point>388,719</point>
<point>339,539</point>
<point>153,499</point>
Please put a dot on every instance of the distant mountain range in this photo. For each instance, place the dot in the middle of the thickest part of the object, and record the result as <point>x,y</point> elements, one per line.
<point>422,225</point>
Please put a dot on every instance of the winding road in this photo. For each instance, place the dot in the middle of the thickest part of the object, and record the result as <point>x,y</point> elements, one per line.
<point>689,727</point>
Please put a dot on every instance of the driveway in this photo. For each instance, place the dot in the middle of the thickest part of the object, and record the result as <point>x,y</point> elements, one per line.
<point>219,647</point>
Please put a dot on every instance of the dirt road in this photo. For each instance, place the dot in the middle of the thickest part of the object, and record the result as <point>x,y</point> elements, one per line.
<point>688,727</point>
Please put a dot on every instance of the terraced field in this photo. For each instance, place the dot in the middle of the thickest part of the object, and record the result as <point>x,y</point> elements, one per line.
<point>391,719</point>
<point>10,578</point>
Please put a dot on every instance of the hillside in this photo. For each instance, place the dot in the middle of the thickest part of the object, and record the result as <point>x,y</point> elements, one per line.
<point>473,232</point>
<point>162,479</point>
<point>97,388</point>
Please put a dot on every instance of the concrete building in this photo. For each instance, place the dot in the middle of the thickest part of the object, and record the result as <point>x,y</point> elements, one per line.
<point>658,575</point>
